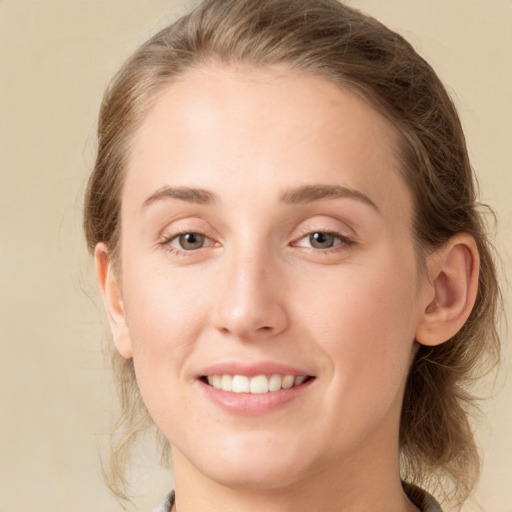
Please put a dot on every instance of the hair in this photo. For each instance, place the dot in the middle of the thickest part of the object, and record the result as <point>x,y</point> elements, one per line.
<point>324,38</point>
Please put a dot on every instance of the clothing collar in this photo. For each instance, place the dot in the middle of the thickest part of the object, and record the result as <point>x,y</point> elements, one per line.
<point>422,499</point>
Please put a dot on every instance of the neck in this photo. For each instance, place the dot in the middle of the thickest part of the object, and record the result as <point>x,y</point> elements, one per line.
<point>374,485</point>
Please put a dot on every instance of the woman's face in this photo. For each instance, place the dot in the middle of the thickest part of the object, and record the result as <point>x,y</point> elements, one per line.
<point>266,232</point>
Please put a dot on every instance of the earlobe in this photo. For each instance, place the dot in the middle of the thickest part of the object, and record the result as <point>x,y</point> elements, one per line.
<point>112,300</point>
<point>453,284</point>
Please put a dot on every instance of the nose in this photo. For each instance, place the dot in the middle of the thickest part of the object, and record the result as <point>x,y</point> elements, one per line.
<point>250,304</point>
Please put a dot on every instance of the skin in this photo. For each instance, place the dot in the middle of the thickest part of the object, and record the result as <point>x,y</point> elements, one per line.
<point>257,290</point>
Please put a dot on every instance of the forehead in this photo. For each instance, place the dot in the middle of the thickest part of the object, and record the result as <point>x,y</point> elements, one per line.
<point>263,126</point>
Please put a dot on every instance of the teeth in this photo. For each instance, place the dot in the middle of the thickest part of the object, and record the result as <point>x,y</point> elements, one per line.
<point>288,381</point>
<point>241,384</point>
<point>299,380</point>
<point>255,385</point>
<point>226,383</point>
<point>274,383</point>
<point>259,385</point>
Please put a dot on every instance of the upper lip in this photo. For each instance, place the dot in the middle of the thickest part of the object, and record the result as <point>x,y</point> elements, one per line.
<point>251,369</point>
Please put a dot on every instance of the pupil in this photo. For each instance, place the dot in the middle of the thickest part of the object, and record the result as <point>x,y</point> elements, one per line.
<point>321,240</point>
<point>190,241</point>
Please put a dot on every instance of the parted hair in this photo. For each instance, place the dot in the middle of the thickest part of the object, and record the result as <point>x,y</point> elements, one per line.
<point>327,39</point>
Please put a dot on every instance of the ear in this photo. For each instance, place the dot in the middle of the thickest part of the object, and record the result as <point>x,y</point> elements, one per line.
<point>112,300</point>
<point>451,289</point>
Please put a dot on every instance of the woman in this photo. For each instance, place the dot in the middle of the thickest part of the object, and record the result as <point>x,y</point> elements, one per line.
<point>292,260</point>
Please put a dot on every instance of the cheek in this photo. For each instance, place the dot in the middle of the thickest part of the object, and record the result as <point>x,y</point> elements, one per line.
<point>162,306</point>
<point>164,324</point>
<point>165,318</point>
<point>364,318</point>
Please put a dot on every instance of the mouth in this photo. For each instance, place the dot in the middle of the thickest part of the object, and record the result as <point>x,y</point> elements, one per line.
<point>255,385</point>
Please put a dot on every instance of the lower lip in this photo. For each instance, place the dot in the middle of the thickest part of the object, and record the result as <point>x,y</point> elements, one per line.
<point>253,404</point>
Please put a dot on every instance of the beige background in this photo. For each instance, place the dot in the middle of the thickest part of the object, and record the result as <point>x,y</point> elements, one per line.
<point>56,57</point>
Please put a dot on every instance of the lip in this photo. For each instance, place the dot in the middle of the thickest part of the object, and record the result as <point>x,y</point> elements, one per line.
<point>248,404</point>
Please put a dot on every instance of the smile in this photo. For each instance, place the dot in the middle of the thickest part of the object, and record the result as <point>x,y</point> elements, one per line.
<point>257,385</point>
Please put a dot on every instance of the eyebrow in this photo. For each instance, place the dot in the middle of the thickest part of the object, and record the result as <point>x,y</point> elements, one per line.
<point>312,193</point>
<point>190,195</point>
<point>298,195</point>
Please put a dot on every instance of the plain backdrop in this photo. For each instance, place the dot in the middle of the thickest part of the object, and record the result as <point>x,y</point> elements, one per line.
<point>56,397</point>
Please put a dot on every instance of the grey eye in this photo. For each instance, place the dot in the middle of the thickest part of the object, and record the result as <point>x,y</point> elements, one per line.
<point>321,240</point>
<point>191,241</point>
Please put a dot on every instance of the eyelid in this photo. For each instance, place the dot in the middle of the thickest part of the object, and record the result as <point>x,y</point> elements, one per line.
<point>186,225</point>
<point>325,224</point>
<point>345,235</point>
<point>327,221</point>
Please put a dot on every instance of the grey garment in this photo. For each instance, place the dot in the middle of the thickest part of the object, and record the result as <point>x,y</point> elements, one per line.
<point>431,504</point>
<point>423,500</point>
<point>167,504</point>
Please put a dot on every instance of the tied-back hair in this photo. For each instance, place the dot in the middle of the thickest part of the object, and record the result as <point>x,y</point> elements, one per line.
<point>324,38</point>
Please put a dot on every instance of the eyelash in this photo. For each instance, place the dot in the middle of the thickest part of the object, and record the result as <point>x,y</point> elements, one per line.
<point>166,242</point>
<point>343,243</point>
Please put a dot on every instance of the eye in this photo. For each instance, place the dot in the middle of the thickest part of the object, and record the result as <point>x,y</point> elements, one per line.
<point>323,240</point>
<point>189,241</point>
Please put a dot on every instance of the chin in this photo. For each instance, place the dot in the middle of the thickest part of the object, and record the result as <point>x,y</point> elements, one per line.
<point>256,465</point>
<point>251,476</point>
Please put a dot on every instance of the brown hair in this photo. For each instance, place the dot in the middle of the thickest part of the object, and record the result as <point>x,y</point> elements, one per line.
<point>328,39</point>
